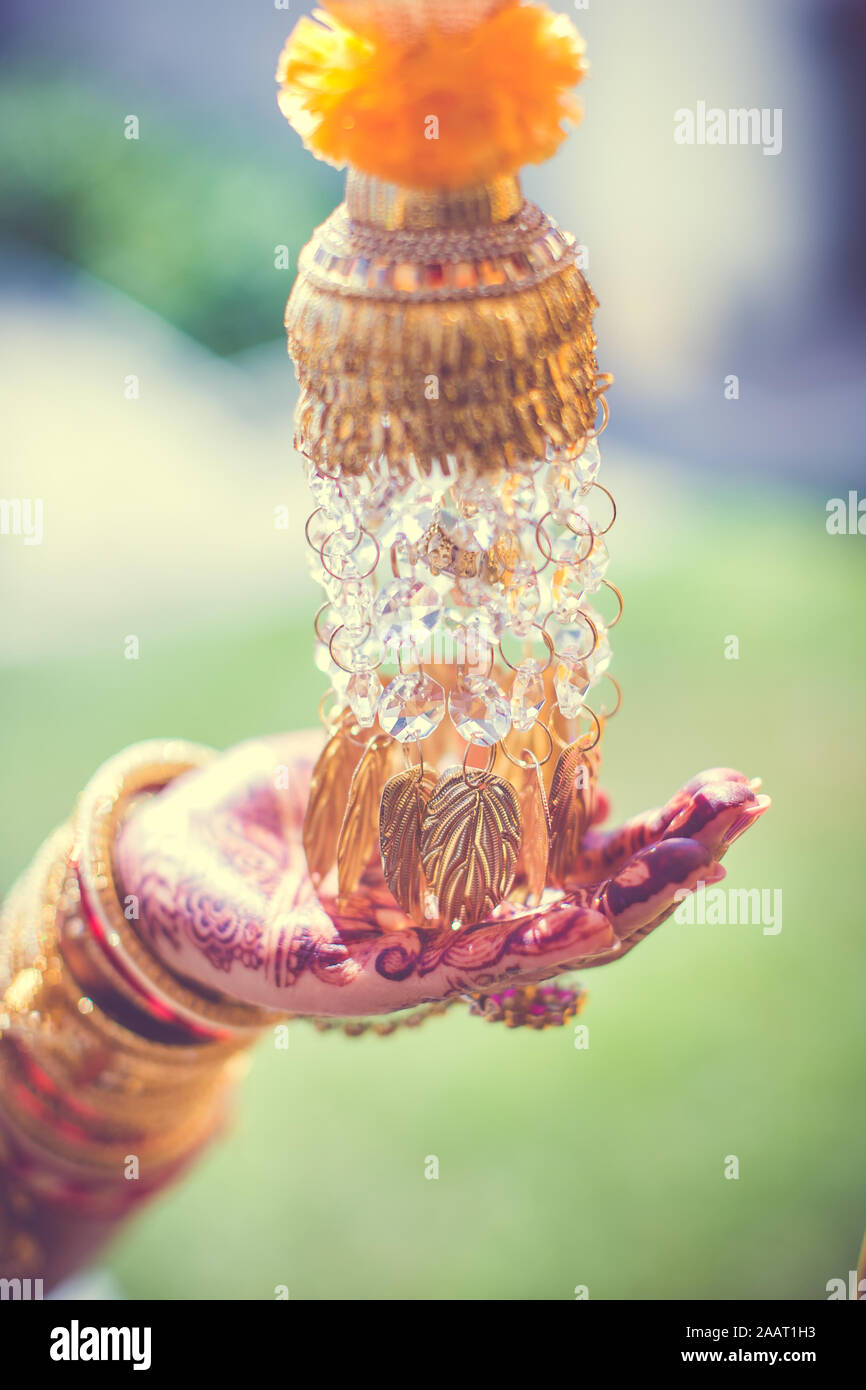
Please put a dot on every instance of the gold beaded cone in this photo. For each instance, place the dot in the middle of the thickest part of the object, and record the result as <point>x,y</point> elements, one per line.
<point>446,330</point>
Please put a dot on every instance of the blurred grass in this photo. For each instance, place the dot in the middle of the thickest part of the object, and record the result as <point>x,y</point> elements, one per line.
<point>166,218</point>
<point>558,1167</point>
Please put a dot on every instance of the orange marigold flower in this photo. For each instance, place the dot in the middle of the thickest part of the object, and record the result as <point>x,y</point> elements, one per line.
<point>443,110</point>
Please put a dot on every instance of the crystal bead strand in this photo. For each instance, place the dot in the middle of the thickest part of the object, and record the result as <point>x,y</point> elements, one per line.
<point>441,570</point>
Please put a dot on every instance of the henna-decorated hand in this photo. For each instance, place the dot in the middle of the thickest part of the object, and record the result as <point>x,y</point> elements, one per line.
<point>218,867</point>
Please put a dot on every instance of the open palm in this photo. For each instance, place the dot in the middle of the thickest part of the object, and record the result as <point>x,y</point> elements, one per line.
<point>218,868</point>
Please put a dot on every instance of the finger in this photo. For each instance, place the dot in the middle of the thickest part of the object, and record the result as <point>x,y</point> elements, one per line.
<point>654,882</point>
<point>706,803</point>
<point>644,885</point>
<point>718,813</point>
<point>720,805</point>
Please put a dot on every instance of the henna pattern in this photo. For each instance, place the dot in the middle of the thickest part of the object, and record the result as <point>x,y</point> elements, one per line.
<point>221,876</point>
<point>604,853</point>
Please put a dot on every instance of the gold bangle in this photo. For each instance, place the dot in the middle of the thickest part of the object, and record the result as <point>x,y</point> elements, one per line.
<point>146,767</point>
<point>89,1073</point>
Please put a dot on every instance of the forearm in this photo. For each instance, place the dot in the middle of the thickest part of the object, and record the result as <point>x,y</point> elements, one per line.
<point>113,1075</point>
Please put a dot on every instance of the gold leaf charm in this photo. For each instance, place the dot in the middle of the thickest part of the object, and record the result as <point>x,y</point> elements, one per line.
<point>401,812</point>
<point>535,839</point>
<point>329,791</point>
<point>572,797</point>
<point>361,822</point>
<point>470,838</point>
<point>535,744</point>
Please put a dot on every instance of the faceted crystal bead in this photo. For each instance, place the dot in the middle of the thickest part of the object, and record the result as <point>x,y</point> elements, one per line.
<point>478,630</point>
<point>325,491</point>
<point>503,557</point>
<point>479,710</point>
<point>571,681</point>
<point>575,639</point>
<point>595,567</point>
<point>458,528</point>
<point>412,707</point>
<point>601,657</point>
<point>523,598</point>
<point>487,613</point>
<point>443,585</point>
<point>568,585</point>
<point>481,512</point>
<point>369,494</point>
<point>322,523</point>
<point>588,464</point>
<point>571,476</point>
<point>406,612</point>
<point>406,554</point>
<point>350,554</point>
<point>527,695</point>
<point>339,516</point>
<point>423,504</point>
<point>561,488</point>
<point>351,601</point>
<point>335,509</point>
<point>357,648</point>
<point>406,513</point>
<point>364,691</point>
<point>465,648</point>
<point>577,540</point>
<point>577,573</point>
<point>520,496</point>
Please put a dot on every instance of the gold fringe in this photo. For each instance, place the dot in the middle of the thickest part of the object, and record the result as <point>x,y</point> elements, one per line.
<point>511,374</point>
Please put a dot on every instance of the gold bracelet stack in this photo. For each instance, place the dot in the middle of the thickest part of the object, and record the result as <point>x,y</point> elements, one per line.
<point>113,1073</point>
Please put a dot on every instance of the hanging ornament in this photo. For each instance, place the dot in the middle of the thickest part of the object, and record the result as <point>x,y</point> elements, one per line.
<point>450,407</point>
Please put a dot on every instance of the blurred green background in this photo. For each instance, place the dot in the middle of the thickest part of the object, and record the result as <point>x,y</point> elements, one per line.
<point>558,1167</point>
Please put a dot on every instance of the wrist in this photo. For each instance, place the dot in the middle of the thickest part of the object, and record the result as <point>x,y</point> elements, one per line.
<point>114,1073</point>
